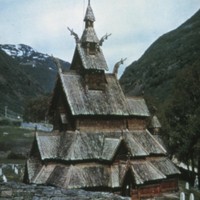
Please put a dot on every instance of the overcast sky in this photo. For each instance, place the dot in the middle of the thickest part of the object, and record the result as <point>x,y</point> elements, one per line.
<point>134,24</point>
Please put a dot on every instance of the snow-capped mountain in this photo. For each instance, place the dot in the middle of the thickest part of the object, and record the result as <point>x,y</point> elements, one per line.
<point>38,65</point>
<point>19,50</point>
<point>25,73</point>
<point>27,56</point>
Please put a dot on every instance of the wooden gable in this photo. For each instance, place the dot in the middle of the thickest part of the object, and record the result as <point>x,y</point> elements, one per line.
<point>59,110</point>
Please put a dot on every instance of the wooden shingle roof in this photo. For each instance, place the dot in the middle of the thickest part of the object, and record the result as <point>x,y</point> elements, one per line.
<point>110,101</point>
<point>80,146</point>
<point>89,15</point>
<point>144,171</point>
<point>100,175</point>
<point>164,165</point>
<point>148,142</point>
<point>96,61</point>
<point>137,106</point>
<point>48,145</point>
<point>93,149</point>
<point>89,35</point>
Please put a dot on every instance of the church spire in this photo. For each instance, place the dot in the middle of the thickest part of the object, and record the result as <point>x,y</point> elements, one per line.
<point>89,16</point>
<point>89,35</point>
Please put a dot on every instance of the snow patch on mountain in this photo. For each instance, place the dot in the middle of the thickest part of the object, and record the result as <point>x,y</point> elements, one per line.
<point>19,50</point>
<point>7,51</point>
<point>23,51</point>
<point>29,57</point>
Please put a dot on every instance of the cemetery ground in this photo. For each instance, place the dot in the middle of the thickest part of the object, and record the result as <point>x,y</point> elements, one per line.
<point>15,144</point>
<point>187,192</point>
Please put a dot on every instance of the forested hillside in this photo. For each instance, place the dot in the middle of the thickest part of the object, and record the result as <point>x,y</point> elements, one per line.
<point>25,74</point>
<point>15,85</point>
<point>154,73</point>
<point>168,75</point>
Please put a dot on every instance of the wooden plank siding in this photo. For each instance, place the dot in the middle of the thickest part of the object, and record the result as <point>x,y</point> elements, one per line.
<point>169,185</point>
<point>94,125</point>
<point>153,190</point>
<point>136,124</point>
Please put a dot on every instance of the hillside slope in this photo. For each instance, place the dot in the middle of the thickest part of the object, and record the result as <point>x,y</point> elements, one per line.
<point>154,73</point>
<point>25,73</point>
<point>35,64</point>
<point>15,85</point>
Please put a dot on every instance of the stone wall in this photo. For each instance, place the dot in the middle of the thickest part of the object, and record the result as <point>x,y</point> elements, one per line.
<point>20,191</point>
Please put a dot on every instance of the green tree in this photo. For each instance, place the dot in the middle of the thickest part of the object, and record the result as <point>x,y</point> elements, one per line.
<point>36,109</point>
<point>182,117</point>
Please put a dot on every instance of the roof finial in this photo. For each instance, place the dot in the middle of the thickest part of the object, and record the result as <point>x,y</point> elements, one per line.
<point>105,37</point>
<point>74,34</point>
<point>88,2</point>
<point>57,63</point>
<point>116,67</point>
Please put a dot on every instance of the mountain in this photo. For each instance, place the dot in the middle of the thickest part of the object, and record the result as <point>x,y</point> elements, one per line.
<point>35,64</point>
<point>153,75</point>
<point>25,73</point>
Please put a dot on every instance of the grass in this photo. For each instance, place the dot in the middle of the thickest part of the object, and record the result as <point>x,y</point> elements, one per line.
<point>15,142</point>
<point>13,161</point>
<point>12,133</point>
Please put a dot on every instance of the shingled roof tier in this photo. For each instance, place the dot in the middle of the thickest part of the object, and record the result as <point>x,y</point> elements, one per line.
<point>89,35</point>
<point>97,102</point>
<point>101,175</point>
<point>96,61</point>
<point>89,15</point>
<point>74,146</point>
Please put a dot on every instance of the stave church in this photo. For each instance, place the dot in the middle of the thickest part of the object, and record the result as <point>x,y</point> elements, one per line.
<point>102,139</point>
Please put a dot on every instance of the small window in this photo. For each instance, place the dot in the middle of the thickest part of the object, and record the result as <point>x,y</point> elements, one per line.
<point>95,81</point>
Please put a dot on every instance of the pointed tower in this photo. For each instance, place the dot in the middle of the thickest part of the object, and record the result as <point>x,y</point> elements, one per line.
<point>89,34</point>
<point>89,16</point>
<point>88,58</point>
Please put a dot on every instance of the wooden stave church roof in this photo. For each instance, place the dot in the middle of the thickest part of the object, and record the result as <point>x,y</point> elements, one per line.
<point>81,146</point>
<point>88,175</point>
<point>83,101</point>
<point>89,15</point>
<point>95,62</point>
<point>61,152</point>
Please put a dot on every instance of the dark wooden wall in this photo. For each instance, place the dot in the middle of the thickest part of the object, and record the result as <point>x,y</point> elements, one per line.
<point>93,125</point>
<point>153,190</point>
